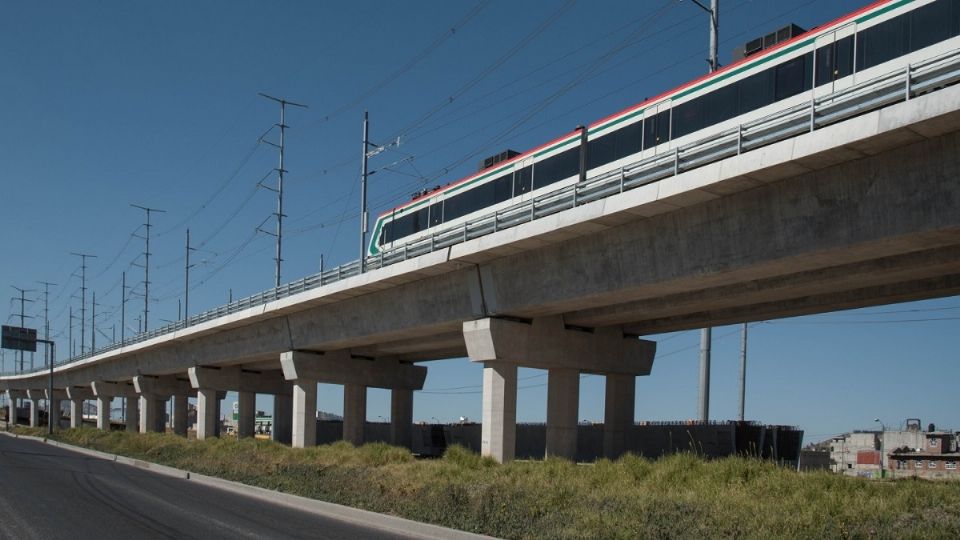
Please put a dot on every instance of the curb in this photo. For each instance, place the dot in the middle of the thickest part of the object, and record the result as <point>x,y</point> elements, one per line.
<point>384,522</point>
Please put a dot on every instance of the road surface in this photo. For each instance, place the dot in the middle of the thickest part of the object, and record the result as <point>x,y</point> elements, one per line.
<point>48,492</point>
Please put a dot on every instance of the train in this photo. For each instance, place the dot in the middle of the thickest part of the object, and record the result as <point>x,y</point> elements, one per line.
<point>778,71</point>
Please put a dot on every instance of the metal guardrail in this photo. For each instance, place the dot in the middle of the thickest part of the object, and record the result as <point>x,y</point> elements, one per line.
<point>900,85</point>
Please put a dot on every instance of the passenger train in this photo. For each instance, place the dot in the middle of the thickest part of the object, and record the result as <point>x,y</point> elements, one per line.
<point>880,38</point>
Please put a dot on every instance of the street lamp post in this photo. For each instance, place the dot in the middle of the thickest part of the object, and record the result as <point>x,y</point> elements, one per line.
<point>883,431</point>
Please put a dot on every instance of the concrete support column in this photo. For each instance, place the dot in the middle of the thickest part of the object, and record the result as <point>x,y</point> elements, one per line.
<point>563,404</point>
<point>53,412</point>
<point>103,412</point>
<point>34,414</point>
<point>76,413</point>
<point>152,413</point>
<point>401,417</point>
<point>281,431</point>
<point>208,405</point>
<point>132,413</point>
<point>354,413</point>
<point>620,400</point>
<point>179,419</point>
<point>304,413</point>
<point>12,409</point>
<point>498,437</point>
<point>247,414</point>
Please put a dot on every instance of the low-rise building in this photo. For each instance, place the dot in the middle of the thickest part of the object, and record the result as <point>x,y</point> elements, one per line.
<point>937,459</point>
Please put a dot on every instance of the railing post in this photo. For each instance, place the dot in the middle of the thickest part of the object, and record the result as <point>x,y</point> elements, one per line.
<point>533,208</point>
<point>622,178</point>
<point>739,138</point>
<point>404,254</point>
<point>676,161</point>
<point>496,219</point>
<point>813,113</point>
<point>907,96</point>
<point>464,231</point>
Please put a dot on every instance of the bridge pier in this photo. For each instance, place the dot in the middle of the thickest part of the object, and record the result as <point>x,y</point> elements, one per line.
<point>247,414</point>
<point>179,419</point>
<point>12,397</point>
<point>77,396</point>
<point>108,391</point>
<point>619,403</point>
<point>54,400</point>
<point>547,343</point>
<point>208,413</point>
<point>354,413</point>
<point>304,412</point>
<point>247,383</point>
<point>154,392</point>
<point>401,417</point>
<point>35,397</point>
<point>307,369</point>
<point>103,412</point>
<point>282,429</point>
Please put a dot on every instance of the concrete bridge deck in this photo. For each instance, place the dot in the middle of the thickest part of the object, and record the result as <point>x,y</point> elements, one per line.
<point>859,213</point>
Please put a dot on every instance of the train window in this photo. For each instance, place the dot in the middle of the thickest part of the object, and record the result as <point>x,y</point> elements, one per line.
<point>933,23</point>
<point>757,91</point>
<point>793,77</point>
<point>656,130</point>
<point>615,145</point>
<point>721,104</point>
<point>458,205</point>
<point>883,42</point>
<point>436,213</point>
<point>556,168</point>
<point>843,57</point>
<point>503,188</point>
<point>601,150</point>
<point>521,181</point>
<point>386,235</point>
<point>688,117</point>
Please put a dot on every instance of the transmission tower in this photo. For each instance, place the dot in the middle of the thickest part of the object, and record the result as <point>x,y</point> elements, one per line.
<point>83,297</point>
<point>280,171</point>
<point>146,263</point>
<point>46,313</point>
<point>23,316</point>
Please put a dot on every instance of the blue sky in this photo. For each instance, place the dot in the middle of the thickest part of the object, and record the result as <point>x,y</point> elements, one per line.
<point>119,103</point>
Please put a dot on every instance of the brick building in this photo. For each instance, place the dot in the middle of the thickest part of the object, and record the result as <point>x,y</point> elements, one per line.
<point>936,460</point>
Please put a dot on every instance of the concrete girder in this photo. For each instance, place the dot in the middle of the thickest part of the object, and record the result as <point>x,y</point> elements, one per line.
<point>547,344</point>
<point>235,379</point>
<point>79,393</point>
<point>854,276</point>
<point>114,389</point>
<point>339,367</point>
<point>163,386</point>
<point>58,394</point>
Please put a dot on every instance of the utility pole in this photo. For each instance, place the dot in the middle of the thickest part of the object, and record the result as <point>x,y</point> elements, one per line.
<point>93,323</point>
<point>46,310</point>
<point>705,333</point>
<point>23,315</point>
<point>743,369</point>
<point>364,176</point>
<point>123,305</point>
<point>83,297</point>
<point>280,170</point>
<point>70,334</point>
<point>146,264</point>
<point>704,403</point>
<point>363,190</point>
<point>714,12</point>
<point>186,280</point>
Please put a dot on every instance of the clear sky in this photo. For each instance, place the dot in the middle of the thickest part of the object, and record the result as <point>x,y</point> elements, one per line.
<point>108,104</point>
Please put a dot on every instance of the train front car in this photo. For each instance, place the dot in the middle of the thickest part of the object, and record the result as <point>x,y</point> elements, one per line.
<point>777,72</point>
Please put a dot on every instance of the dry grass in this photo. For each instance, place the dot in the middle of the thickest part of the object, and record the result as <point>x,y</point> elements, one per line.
<point>678,496</point>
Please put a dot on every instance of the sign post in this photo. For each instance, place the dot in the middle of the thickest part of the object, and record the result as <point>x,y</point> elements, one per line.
<point>25,339</point>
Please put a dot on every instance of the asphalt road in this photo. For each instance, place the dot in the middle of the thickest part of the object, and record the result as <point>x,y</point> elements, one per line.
<point>48,492</point>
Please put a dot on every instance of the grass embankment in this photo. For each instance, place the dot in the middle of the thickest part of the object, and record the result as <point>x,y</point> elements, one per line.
<point>679,496</point>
